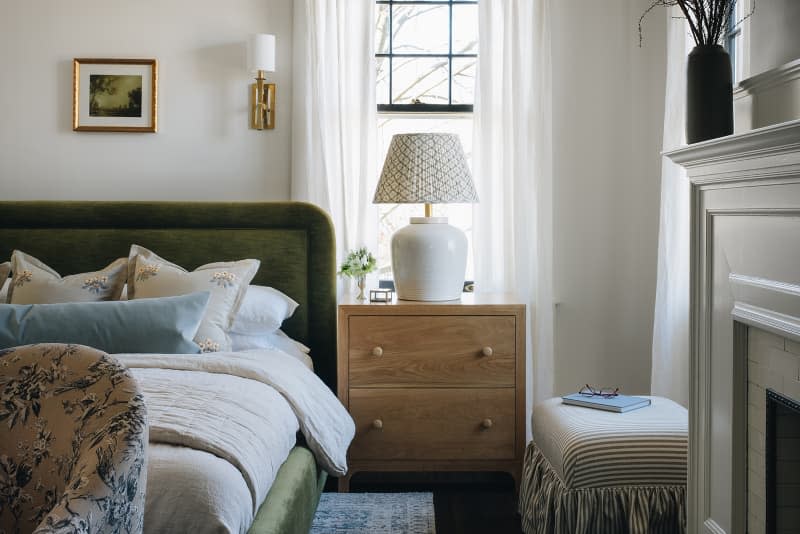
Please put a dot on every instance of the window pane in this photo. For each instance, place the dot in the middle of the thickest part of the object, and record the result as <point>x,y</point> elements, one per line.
<point>381,29</point>
<point>464,80</point>
<point>421,29</point>
<point>425,79</point>
<point>382,78</point>
<point>465,29</point>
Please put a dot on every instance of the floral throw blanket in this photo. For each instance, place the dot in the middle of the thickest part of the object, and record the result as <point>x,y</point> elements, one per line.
<point>73,438</point>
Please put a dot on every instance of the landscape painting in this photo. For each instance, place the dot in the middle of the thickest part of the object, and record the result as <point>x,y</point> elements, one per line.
<point>115,95</point>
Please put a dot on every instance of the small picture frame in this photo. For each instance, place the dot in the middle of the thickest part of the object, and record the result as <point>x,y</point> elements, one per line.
<point>381,295</point>
<point>114,95</point>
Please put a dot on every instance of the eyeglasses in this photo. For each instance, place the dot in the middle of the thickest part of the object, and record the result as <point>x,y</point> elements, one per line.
<point>589,391</point>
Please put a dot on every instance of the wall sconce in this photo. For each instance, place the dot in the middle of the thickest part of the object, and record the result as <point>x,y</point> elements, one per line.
<point>261,59</point>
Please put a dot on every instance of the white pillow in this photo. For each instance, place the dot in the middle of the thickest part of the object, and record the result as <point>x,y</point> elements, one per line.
<point>281,339</point>
<point>152,276</point>
<point>274,340</point>
<point>263,311</point>
<point>5,269</point>
<point>34,282</point>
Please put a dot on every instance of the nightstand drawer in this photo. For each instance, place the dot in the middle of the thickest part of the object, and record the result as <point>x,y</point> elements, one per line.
<point>447,350</point>
<point>433,424</point>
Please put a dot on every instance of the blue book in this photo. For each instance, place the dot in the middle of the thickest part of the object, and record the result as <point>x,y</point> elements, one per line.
<point>619,403</point>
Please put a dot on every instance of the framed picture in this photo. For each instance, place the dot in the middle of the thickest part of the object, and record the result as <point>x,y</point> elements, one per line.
<point>114,95</point>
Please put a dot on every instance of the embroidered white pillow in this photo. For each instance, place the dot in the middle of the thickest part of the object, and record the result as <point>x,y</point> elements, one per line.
<point>33,282</point>
<point>263,311</point>
<point>152,276</point>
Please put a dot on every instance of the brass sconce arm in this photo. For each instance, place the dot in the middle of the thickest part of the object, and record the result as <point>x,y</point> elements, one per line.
<point>262,115</point>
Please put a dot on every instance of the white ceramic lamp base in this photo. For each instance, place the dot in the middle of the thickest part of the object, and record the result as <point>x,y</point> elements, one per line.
<point>429,259</point>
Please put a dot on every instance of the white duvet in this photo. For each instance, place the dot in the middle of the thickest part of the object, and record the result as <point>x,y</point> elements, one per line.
<point>221,425</point>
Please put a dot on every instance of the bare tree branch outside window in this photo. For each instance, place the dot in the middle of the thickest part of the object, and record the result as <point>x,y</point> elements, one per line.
<point>419,60</point>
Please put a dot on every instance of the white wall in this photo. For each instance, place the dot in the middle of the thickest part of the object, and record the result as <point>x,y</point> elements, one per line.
<point>608,119</point>
<point>774,34</point>
<point>203,149</point>
<point>770,91</point>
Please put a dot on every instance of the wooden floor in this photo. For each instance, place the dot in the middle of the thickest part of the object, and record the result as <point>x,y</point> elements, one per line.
<point>487,505</point>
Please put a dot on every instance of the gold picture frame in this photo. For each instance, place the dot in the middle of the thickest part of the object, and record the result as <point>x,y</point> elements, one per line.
<point>114,95</point>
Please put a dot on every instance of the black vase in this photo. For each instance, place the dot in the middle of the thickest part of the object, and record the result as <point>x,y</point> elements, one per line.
<point>709,94</point>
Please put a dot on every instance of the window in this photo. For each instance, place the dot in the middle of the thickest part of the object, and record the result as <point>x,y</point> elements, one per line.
<point>426,54</point>
<point>733,41</point>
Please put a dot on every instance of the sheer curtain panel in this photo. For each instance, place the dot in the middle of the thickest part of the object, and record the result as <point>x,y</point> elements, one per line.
<point>334,115</point>
<point>670,370</point>
<point>512,164</point>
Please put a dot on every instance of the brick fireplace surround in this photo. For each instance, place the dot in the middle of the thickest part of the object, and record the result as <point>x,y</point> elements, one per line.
<point>745,315</point>
<point>773,362</point>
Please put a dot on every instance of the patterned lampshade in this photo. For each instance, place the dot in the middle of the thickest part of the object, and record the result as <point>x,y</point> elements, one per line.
<point>425,168</point>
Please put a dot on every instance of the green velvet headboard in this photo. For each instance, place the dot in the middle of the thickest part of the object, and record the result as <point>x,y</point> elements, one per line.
<point>293,240</point>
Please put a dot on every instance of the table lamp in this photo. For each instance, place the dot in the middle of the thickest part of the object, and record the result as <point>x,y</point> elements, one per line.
<point>429,256</point>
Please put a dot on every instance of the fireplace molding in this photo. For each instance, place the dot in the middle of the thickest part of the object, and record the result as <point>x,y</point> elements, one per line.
<point>745,271</point>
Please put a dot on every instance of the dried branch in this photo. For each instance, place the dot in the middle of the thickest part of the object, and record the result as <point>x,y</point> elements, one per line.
<point>708,19</point>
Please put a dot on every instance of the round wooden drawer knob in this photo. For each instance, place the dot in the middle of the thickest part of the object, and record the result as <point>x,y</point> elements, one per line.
<point>377,351</point>
<point>487,351</point>
<point>377,424</point>
<point>486,424</point>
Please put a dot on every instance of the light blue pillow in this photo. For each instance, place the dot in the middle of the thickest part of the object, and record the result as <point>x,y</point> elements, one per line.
<point>159,325</point>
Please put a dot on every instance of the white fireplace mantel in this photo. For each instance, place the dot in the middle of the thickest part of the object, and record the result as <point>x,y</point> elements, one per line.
<point>745,272</point>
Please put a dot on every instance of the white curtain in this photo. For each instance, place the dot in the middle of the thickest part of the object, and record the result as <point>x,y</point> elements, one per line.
<point>512,165</point>
<point>670,370</point>
<point>334,116</point>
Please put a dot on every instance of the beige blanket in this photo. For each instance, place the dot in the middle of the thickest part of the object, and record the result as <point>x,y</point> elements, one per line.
<point>243,408</point>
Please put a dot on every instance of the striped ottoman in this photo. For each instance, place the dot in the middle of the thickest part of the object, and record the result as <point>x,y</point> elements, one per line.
<point>590,471</point>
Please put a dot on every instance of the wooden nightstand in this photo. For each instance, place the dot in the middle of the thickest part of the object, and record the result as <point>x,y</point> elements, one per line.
<point>434,386</point>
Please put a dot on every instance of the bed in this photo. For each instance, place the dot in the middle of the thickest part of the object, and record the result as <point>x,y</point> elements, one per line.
<point>293,241</point>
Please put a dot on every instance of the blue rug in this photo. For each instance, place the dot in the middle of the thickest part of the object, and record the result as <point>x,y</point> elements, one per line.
<point>375,513</point>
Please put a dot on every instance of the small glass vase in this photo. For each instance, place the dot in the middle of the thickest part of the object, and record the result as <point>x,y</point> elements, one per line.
<point>362,283</point>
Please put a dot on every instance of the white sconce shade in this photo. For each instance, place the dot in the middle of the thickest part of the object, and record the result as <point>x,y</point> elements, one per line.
<point>261,52</point>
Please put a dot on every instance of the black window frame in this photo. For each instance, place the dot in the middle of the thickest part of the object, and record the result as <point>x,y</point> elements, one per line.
<point>732,33</point>
<point>422,107</point>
